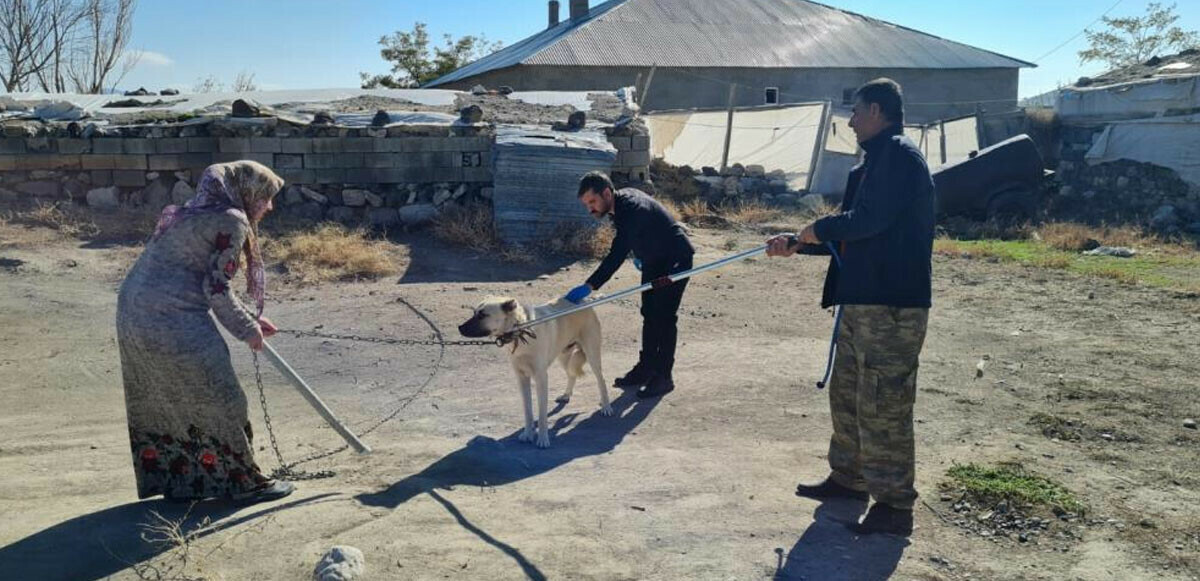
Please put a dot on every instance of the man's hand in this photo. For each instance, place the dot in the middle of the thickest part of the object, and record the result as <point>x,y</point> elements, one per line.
<point>577,294</point>
<point>782,245</point>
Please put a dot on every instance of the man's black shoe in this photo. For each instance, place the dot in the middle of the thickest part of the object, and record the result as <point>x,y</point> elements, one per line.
<point>885,519</point>
<point>638,376</point>
<point>829,489</point>
<point>658,386</point>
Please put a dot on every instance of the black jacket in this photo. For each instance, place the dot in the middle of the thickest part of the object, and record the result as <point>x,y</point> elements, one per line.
<point>645,228</point>
<point>885,230</point>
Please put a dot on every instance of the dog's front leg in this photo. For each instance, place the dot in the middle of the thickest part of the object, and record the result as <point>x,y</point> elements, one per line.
<point>543,394</point>
<point>523,384</point>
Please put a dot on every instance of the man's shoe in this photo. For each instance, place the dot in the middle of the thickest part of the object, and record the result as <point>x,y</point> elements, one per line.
<point>658,386</point>
<point>886,520</point>
<point>828,489</point>
<point>638,376</point>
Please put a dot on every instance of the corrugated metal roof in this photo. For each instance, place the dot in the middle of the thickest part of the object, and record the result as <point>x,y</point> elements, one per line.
<point>736,34</point>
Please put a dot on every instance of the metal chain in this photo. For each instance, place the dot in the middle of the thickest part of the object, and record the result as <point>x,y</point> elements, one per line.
<point>284,471</point>
<point>392,340</point>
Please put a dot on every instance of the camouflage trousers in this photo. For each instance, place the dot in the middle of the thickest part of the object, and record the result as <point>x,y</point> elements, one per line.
<point>871,398</point>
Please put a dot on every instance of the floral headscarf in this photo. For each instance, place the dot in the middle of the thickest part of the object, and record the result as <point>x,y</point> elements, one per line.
<point>241,189</point>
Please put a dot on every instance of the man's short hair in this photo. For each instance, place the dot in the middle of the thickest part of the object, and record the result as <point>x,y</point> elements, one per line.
<point>887,94</point>
<point>593,181</point>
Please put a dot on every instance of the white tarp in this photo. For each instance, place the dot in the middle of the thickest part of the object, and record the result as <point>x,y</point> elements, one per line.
<point>777,138</point>
<point>1171,142</point>
<point>1131,99</point>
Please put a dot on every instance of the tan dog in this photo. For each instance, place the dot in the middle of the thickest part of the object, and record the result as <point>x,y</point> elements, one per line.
<point>573,340</point>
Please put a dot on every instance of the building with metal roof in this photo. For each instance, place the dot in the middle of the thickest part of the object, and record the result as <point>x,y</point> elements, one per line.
<point>774,51</point>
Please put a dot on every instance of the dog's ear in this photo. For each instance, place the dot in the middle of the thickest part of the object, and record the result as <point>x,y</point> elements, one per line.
<point>509,306</point>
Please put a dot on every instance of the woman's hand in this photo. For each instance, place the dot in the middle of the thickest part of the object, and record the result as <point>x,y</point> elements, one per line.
<point>268,328</point>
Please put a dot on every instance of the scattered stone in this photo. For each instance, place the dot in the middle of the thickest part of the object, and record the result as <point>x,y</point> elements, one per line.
<point>156,195</point>
<point>381,119</point>
<point>313,196</point>
<point>1189,423</point>
<point>708,171</point>
<point>375,200</point>
<point>169,92</point>
<point>736,170</point>
<point>292,196</point>
<point>181,193</point>
<point>323,118</point>
<point>479,90</point>
<point>341,563</point>
<point>577,121</point>
<point>459,192</point>
<point>354,198</point>
<point>250,108</point>
<point>141,92</point>
<point>470,114</point>
<point>441,197</point>
<point>756,171</point>
<point>506,90</point>
<point>415,215</point>
<point>343,215</point>
<point>383,217</point>
<point>487,193</point>
<point>104,198</point>
<point>1115,251</point>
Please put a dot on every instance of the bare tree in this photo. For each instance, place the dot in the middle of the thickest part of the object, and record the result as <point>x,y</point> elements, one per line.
<point>107,26</point>
<point>244,83</point>
<point>208,84</point>
<point>25,27</point>
<point>62,45</point>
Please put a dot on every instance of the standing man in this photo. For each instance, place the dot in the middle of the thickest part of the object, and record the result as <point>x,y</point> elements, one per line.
<point>881,281</point>
<point>660,247</point>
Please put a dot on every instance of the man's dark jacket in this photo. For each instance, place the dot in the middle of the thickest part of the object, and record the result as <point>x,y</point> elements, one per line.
<point>644,227</point>
<point>885,230</point>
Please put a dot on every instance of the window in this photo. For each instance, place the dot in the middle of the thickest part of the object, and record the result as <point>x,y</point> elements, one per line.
<point>772,95</point>
<point>848,96</point>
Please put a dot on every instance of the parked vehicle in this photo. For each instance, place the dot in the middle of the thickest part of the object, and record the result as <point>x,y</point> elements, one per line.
<point>1005,181</point>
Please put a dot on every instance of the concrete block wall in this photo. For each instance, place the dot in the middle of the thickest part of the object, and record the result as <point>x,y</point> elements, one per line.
<point>632,141</point>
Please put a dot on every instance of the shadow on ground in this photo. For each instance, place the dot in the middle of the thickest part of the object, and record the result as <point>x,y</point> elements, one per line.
<point>100,544</point>
<point>831,552</point>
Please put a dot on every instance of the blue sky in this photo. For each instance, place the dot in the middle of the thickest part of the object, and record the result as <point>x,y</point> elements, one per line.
<point>296,44</point>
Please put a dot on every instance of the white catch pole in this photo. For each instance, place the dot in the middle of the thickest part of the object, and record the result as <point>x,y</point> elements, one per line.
<point>314,399</point>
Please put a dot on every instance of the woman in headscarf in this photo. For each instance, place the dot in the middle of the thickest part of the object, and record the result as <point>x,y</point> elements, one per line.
<point>188,419</point>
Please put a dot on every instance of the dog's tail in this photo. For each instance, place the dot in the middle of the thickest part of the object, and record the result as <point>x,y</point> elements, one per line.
<point>572,360</point>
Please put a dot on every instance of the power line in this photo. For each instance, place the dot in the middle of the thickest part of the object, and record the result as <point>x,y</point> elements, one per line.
<point>1038,60</point>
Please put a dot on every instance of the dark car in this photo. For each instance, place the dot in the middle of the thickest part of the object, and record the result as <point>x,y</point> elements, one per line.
<point>1004,181</point>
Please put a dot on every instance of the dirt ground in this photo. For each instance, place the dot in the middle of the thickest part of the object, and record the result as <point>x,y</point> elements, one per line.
<point>698,485</point>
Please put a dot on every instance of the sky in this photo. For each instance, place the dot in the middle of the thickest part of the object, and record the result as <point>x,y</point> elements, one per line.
<point>301,44</point>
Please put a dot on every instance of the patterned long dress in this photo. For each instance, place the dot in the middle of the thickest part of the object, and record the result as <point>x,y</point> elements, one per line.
<point>187,413</point>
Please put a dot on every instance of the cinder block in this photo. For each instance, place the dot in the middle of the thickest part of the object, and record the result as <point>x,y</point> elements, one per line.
<point>333,160</point>
<point>139,146</point>
<point>265,144</point>
<point>327,145</point>
<point>358,144</point>
<point>178,161</point>
<point>12,145</point>
<point>266,159</point>
<point>129,162</point>
<point>640,142</point>
<point>328,176</point>
<point>381,160</point>
<point>172,145</point>
<point>476,174</point>
<point>8,162</point>
<point>295,146</point>
<point>298,176</point>
<point>74,146</point>
<point>202,145</point>
<point>102,178</point>
<point>621,142</point>
<point>634,158</point>
<point>129,178</point>
<point>47,161</point>
<point>288,161</point>
<point>234,145</point>
<point>107,146</point>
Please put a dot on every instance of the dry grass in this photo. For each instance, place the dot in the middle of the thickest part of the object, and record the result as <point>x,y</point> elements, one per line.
<point>331,252</point>
<point>1074,237</point>
<point>750,214</point>
<point>69,223</point>
<point>472,227</point>
<point>469,226</point>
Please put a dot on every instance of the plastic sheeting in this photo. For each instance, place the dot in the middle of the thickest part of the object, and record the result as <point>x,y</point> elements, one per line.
<point>1171,142</point>
<point>536,173</point>
<point>1131,99</point>
<point>778,138</point>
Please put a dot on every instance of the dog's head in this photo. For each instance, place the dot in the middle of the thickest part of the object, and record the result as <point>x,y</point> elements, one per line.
<point>494,316</point>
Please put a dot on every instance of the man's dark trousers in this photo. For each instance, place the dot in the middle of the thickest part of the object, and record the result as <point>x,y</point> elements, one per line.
<point>659,316</point>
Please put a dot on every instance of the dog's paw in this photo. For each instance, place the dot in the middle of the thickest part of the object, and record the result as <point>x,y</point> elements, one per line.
<point>543,440</point>
<point>526,435</point>
<point>564,398</point>
<point>606,410</point>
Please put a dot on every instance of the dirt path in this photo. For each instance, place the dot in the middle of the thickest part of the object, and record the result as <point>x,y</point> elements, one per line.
<point>697,486</point>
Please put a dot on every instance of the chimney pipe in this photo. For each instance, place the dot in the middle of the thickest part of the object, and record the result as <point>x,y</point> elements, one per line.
<point>579,9</point>
<point>553,14</point>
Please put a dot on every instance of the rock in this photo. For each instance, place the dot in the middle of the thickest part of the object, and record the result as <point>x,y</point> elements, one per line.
<point>323,118</point>
<point>313,196</point>
<point>60,111</point>
<point>40,189</point>
<point>736,170</point>
<point>1091,244</point>
<point>381,119</point>
<point>732,187</point>
<point>104,198</point>
<point>577,121</point>
<point>8,196</point>
<point>292,196</point>
<point>344,215</point>
<point>341,563</point>
<point>1165,218</point>
<point>470,114</point>
<point>777,186</point>
<point>441,197</point>
<point>354,198</point>
<point>812,203</point>
<point>1122,182</point>
<point>1117,251</point>
<point>479,90</point>
<point>156,195</point>
<point>250,108</point>
<point>786,200</point>
<point>1189,423</point>
<point>181,192</point>
<point>375,200</point>
<point>756,171</point>
<point>383,217</point>
<point>310,211</point>
<point>184,175</point>
<point>487,193</point>
<point>416,215</point>
<point>141,92</point>
<point>459,192</point>
<point>505,90</point>
<point>169,92</point>
<point>709,171</point>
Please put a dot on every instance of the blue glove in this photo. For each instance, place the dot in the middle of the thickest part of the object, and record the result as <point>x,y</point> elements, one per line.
<point>579,293</point>
<point>637,263</point>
